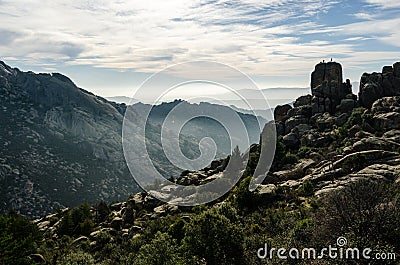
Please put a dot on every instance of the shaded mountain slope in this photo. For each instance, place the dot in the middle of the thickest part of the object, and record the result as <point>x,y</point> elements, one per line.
<point>60,144</point>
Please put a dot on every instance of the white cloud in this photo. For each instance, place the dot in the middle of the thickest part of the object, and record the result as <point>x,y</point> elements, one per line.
<point>364,16</point>
<point>257,36</point>
<point>384,3</point>
<point>384,30</point>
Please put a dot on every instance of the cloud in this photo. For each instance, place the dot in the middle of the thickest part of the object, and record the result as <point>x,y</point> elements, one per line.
<point>7,37</point>
<point>383,30</point>
<point>364,16</point>
<point>384,3</point>
<point>277,37</point>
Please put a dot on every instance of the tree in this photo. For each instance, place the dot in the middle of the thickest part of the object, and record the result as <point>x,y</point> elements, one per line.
<point>367,210</point>
<point>235,164</point>
<point>79,221</point>
<point>102,212</point>
<point>18,239</point>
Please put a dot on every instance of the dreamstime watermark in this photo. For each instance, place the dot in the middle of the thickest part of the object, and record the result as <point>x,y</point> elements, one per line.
<point>338,251</point>
<point>150,147</point>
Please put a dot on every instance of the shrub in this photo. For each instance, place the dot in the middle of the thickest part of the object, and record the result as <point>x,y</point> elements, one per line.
<point>176,230</point>
<point>161,251</point>
<point>242,197</point>
<point>355,117</point>
<point>77,258</point>
<point>307,189</point>
<point>18,239</point>
<point>102,212</point>
<point>213,237</point>
<point>290,159</point>
<point>369,211</point>
<point>354,162</point>
<point>304,152</point>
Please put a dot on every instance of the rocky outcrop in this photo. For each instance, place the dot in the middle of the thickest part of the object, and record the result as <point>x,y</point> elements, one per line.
<point>377,85</point>
<point>329,92</point>
<point>313,117</point>
<point>357,144</point>
<point>281,111</point>
<point>386,113</point>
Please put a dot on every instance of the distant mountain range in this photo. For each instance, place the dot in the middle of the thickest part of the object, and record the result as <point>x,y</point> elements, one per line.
<point>61,144</point>
<point>272,96</point>
<point>201,127</point>
<point>122,99</point>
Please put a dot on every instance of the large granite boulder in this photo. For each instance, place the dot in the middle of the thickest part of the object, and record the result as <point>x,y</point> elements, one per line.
<point>303,101</point>
<point>377,85</point>
<point>280,112</point>
<point>291,140</point>
<point>293,122</point>
<point>328,89</point>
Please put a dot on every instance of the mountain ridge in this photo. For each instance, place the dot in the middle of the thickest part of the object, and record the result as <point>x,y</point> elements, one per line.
<point>57,133</point>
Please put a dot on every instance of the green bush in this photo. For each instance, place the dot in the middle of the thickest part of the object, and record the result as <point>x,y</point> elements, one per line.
<point>252,163</point>
<point>102,212</point>
<point>77,258</point>
<point>307,189</point>
<point>242,197</point>
<point>176,230</point>
<point>79,221</point>
<point>213,237</point>
<point>355,118</point>
<point>161,251</point>
<point>18,239</point>
<point>304,152</point>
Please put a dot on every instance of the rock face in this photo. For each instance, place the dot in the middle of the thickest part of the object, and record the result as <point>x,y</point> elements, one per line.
<point>353,144</point>
<point>377,85</point>
<point>312,117</point>
<point>60,145</point>
<point>328,89</point>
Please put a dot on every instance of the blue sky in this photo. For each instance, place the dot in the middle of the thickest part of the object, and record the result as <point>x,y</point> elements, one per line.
<point>111,47</point>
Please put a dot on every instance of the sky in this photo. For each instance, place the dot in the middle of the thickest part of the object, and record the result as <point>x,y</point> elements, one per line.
<point>110,47</point>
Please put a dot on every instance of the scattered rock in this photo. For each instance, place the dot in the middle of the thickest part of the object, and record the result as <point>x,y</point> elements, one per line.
<point>342,119</point>
<point>324,122</point>
<point>346,105</point>
<point>291,140</point>
<point>80,240</point>
<point>303,101</point>
<point>293,122</point>
<point>386,121</point>
<point>116,223</point>
<point>165,209</point>
<point>37,258</point>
